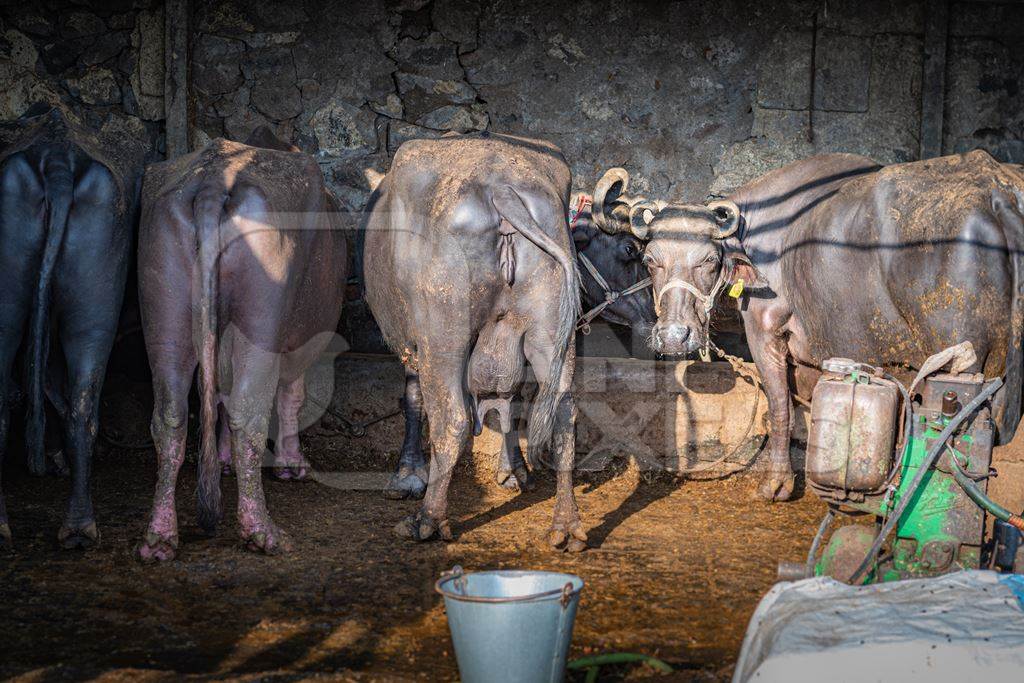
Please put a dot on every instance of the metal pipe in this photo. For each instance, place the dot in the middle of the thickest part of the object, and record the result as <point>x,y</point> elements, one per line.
<point>982,500</point>
<point>826,522</point>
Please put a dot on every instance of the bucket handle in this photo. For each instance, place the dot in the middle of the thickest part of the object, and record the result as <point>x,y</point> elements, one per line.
<point>455,574</point>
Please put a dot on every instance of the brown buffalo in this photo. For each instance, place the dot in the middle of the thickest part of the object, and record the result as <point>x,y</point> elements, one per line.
<point>242,267</point>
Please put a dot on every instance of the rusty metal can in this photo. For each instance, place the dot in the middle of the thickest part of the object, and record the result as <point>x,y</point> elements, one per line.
<point>853,431</point>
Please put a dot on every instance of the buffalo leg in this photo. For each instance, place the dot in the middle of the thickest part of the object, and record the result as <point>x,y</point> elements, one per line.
<point>512,472</point>
<point>5,420</point>
<point>86,308</point>
<point>410,481</point>
<point>22,234</point>
<point>770,359</point>
<point>255,377</point>
<point>445,403</point>
<point>85,370</point>
<point>8,346</point>
<point>566,528</point>
<point>171,380</point>
<point>289,464</point>
<point>223,439</point>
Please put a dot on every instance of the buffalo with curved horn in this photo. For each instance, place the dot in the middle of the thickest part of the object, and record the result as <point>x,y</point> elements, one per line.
<point>840,257</point>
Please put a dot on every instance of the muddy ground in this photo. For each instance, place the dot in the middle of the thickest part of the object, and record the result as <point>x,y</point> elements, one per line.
<point>676,569</point>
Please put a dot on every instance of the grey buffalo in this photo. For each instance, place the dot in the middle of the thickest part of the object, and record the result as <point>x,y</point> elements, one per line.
<point>613,288</point>
<point>470,273</point>
<point>840,257</point>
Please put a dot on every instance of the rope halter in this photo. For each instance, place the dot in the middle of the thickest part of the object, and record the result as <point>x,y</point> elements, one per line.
<point>707,302</point>
<point>610,295</point>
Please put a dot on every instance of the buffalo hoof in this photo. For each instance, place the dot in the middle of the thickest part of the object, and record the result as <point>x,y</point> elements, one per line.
<point>422,527</point>
<point>267,539</point>
<point>517,480</point>
<point>56,464</point>
<point>79,536</point>
<point>777,487</point>
<point>297,473</point>
<point>6,540</point>
<point>572,539</point>
<point>406,483</point>
<point>156,548</point>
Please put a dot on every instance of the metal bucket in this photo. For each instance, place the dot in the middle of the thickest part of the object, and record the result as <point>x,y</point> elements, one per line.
<point>510,626</point>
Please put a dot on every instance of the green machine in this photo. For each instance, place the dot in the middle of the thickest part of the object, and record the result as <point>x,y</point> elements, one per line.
<point>915,461</point>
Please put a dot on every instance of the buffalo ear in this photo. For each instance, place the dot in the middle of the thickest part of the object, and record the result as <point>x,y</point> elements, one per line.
<point>581,237</point>
<point>739,267</point>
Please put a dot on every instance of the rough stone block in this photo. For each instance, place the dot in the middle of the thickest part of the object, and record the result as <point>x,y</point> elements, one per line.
<point>784,77</point>
<point>421,94</point>
<point>984,95</point>
<point>80,24</point>
<point>104,47</point>
<point>457,21</point>
<point>744,161</point>
<point>986,19</point>
<point>274,92</point>
<point>842,72</point>
<point>242,123</point>
<point>147,80</point>
<point>885,138</point>
<point>342,128</point>
<point>433,57</point>
<point>869,17</point>
<point>96,86</point>
<point>20,86</point>
<point>781,126</point>
<point>455,118</point>
<point>896,64</point>
<point>217,64</point>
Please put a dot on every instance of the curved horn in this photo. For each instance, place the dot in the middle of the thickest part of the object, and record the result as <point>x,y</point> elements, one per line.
<point>641,215</point>
<point>612,185</point>
<point>727,215</point>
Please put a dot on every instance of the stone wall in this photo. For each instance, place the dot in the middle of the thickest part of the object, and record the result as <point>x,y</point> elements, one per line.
<point>102,57</point>
<point>692,97</point>
<point>985,80</point>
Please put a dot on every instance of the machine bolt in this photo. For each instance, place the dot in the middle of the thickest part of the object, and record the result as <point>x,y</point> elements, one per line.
<point>950,404</point>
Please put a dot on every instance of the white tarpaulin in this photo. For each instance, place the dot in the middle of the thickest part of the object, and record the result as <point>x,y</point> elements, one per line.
<point>962,627</point>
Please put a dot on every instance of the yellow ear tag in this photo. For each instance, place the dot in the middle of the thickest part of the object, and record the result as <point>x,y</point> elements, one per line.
<point>736,289</point>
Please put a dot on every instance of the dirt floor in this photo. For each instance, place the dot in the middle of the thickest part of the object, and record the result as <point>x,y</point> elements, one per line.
<point>676,570</point>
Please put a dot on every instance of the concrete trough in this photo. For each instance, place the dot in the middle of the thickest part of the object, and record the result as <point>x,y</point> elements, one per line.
<point>665,415</point>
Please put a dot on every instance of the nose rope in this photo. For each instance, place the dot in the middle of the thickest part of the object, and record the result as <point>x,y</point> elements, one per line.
<point>706,300</point>
<point>610,295</point>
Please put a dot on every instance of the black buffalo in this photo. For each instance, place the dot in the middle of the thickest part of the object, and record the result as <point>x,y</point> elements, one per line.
<point>67,201</point>
<point>843,258</point>
<point>618,260</point>
<point>470,273</point>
